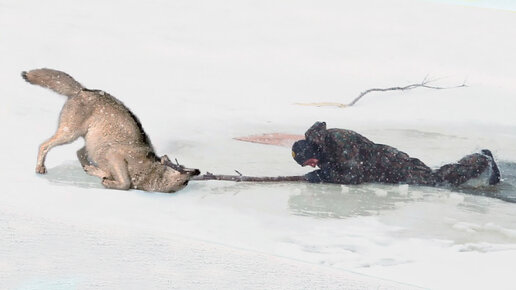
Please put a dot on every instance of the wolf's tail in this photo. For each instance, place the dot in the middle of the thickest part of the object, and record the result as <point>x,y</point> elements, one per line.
<point>55,80</point>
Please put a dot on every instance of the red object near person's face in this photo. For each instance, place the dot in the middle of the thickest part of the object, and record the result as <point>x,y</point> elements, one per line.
<point>311,162</point>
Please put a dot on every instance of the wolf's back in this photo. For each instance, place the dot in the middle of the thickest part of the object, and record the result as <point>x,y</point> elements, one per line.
<point>55,80</point>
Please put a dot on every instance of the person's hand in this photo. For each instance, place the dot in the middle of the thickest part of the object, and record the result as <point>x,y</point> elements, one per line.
<point>314,176</point>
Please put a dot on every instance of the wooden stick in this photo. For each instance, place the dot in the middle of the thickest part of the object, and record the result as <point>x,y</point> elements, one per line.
<point>243,178</point>
<point>181,168</point>
<point>237,178</point>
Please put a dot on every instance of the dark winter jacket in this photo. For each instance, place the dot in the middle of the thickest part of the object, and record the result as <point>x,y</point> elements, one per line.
<point>347,157</point>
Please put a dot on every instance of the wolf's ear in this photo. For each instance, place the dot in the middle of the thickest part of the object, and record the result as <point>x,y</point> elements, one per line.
<point>164,159</point>
<point>317,133</point>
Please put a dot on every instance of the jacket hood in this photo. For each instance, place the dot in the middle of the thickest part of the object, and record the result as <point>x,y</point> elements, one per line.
<point>317,133</point>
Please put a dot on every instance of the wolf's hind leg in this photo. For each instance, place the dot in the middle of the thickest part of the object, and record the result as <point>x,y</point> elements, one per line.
<point>62,136</point>
<point>119,173</point>
<point>69,129</point>
<point>95,171</point>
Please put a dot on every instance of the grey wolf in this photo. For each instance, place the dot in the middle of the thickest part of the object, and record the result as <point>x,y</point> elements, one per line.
<point>117,149</point>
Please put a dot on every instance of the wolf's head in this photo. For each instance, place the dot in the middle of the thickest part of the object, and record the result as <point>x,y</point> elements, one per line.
<point>169,177</point>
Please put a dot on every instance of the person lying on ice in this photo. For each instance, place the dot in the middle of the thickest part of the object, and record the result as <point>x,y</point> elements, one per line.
<point>346,157</point>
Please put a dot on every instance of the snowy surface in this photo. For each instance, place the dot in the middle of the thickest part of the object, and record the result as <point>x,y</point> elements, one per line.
<point>199,73</point>
<point>492,4</point>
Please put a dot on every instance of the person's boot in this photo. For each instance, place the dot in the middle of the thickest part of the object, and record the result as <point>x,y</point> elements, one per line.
<point>494,177</point>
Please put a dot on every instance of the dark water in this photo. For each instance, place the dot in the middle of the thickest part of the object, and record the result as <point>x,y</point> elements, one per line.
<point>505,190</point>
<point>359,199</point>
<point>342,201</point>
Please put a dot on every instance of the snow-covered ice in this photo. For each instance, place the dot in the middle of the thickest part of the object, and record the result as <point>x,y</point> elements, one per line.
<point>198,74</point>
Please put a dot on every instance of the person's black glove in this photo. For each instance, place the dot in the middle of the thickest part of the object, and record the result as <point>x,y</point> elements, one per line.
<point>314,176</point>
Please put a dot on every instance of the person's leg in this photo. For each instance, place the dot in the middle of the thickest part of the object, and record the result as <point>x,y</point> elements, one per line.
<point>495,172</point>
<point>418,173</point>
<point>469,167</point>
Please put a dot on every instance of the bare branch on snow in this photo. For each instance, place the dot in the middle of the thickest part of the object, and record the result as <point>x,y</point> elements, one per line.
<point>424,84</point>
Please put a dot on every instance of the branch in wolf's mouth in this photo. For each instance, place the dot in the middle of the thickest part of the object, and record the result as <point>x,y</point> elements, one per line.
<point>181,168</point>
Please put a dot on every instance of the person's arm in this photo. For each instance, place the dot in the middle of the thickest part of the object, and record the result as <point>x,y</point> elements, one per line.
<point>337,175</point>
<point>315,176</point>
<point>341,152</point>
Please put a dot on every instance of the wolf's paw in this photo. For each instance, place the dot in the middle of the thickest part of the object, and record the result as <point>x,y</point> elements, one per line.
<point>41,169</point>
<point>95,171</point>
<point>113,184</point>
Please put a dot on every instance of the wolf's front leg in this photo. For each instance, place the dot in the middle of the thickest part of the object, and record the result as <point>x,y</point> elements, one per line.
<point>119,174</point>
<point>89,168</point>
<point>82,155</point>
